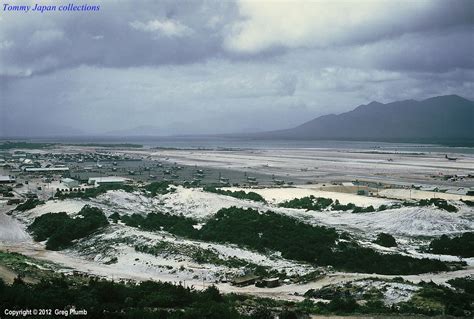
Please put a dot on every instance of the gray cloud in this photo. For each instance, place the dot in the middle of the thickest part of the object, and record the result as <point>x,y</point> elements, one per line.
<point>221,66</point>
<point>146,32</point>
<point>123,34</point>
<point>265,25</point>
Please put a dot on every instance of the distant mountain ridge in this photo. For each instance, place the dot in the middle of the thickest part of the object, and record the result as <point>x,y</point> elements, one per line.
<point>441,118</point>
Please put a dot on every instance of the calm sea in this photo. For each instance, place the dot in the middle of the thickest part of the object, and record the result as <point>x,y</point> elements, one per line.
<point>236,143</point>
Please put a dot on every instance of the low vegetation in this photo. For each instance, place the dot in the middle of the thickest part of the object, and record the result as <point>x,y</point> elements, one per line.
<point>197,254</point>
<point>237,194</point>
<point>178,225</point>
<point>29,204</point>
<point>462,245</point>
<point>308,203</point>
<point>268,231</point>
<point>463,284</point>
<point>158,188</point>
<point>368,209</point>
<point>348,299</point>
<point>296,240</point>
<point>351,257</point>
<point>338,206</point>
<point>385,240</point>
<point>320,203</point>
<point>106,299</point>
<point>440,203</point>
<point>430,300</point>
<point>469,203</point>
<point>28,268</point>
<point>59,229</point>
<point>435,300</point>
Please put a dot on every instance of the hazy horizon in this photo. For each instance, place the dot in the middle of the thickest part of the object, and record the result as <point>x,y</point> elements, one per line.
<point>135,134</point>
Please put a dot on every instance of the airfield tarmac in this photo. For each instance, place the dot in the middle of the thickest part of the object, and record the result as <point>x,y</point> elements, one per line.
<point>314,165</point>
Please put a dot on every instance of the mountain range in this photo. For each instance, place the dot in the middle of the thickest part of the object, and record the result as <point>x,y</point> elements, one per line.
<point>437,119</point>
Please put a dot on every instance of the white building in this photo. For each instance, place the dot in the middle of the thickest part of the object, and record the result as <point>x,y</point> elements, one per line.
<point>70,183</point>
<point>97,181</point>
<point>47,169</point>
<point>5,179</point>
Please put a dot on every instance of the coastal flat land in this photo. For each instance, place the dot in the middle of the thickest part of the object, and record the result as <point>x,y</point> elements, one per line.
<point>326,165</point>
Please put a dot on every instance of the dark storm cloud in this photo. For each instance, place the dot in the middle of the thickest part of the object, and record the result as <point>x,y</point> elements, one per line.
<point>123,34</point>
<point>146,32</point>
<point>432,51</point>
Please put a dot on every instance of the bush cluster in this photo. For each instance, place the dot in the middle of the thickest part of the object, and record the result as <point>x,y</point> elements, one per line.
<point>29,204</point>
<point>59,229</point>
<point>237,194</point>
<point>462,245</point>
<point>105,299</point>
<point>385,240</point>
<point>268,231</point>
<point>308,203</point>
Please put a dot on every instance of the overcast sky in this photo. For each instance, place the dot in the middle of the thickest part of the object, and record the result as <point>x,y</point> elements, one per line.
<point>181,67</point>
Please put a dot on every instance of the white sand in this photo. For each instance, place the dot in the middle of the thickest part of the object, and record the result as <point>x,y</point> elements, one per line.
<point>278,195</point>
<point>407,221</point>
<point>69,206</point>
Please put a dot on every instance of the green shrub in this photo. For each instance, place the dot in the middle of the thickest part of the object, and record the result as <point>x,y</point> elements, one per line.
<point>115,217</point>
<point>160,188</point>
<point>29,204</point>
<point>469,203</point>
<point>385,240</point>
<point>60,229</point>
<point>308,203</point>
<point>368,209</point>
<point>177,225</point>
<point>268,231</point>
<point>465,284</point>
<point>299,241</point>
<point>462,245</point>
<point>338,206</point>
<point>106,299</point>
<point>237,194</point>
<point>440,203</point>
